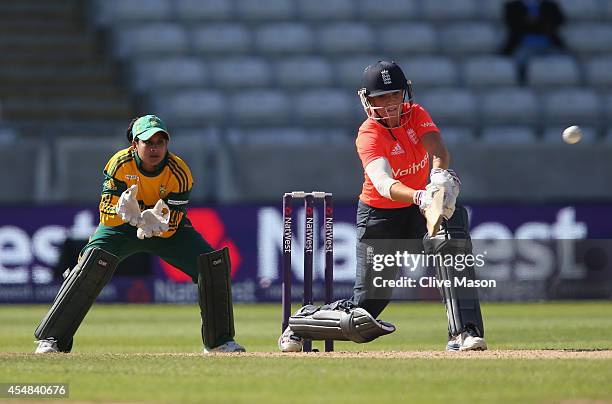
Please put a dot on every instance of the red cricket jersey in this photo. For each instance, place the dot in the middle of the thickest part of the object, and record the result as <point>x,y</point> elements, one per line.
<point>402,147</point>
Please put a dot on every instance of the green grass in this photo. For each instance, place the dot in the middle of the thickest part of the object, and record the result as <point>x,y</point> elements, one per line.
<point>107,363</point>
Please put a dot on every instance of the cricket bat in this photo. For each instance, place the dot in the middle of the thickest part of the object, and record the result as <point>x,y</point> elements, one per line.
<point>433,215</point>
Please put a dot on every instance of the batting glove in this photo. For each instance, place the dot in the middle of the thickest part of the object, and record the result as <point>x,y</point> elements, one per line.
<point>451,183</point>
<point>445,178</point>
<point>423,197</point>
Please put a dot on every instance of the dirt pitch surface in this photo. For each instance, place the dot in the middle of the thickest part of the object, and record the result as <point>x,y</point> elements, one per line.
<point>490,354</point>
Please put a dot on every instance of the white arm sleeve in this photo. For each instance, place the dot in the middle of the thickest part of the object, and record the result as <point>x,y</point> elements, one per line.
<point>381,175</point>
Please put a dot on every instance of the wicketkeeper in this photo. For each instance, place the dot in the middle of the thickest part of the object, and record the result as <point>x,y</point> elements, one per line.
<point>398,143</point>
<point>143,209</point>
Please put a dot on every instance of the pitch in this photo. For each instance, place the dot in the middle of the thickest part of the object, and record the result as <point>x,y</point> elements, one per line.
<point>539,352</point>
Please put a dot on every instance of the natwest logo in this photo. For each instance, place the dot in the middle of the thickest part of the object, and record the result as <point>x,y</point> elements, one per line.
<point>412,169</point>
<point>208,223</point>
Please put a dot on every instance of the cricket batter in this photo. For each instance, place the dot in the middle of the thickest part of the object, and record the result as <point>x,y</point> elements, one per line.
<point>397,145</point>
<point>143,209</point>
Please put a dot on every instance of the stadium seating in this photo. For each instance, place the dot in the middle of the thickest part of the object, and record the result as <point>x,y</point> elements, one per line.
<point>581,10</point>
<point>210,137</point>
<point>350,69</point>
<point>190,107</point>
<point>510,106</point>
<point>553,71</point>
<point>450,106</point>
<point>296,51</point>
<point>31,159</point>
<point>284,73</point>
<point>7,134</point>
<point>519,161</point>
<point>492,10</point>
<point>322,10</point>
<point>220,38</point>
<point>401,10</point>
<point>240,72</point>
<point>504,135</point>
<point>431,71</point>
<point>401,38</point>
<point>599,71</point>
<point>290,137</point>
<point>607,11</point>
<point>452,135</point>
<point>175,72</point>
<point>346,37</point>
<point>122,12</point>
<point>589,37</point>
<point>286,136</point>
<point>291,168</point>
<point>265,11</point>
<point>54,78</point>
<point>134,42</point>
<point>607,104</point>
<point>283,38</point>
<point>572,105</point>
<point>204,10</point>
<point>259,107</point>
<point>434,10</point>
<point>197,151</point>
<point>85,183</point>
<point>315,106</point>
<point>304,72</point>
<point>469,38</point>
<point>489,71</point>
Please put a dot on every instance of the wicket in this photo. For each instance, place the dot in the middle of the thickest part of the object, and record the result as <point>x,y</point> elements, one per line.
<point>328,220</point>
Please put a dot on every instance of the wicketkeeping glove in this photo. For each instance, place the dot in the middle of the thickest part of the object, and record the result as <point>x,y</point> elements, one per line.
<point>154,221</point>
<point>127,206</point>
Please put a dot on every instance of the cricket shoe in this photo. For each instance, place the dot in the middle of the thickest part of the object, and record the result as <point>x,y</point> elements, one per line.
<point>48,345</point>
<point>289,342</point>
<point>467,341</point>
<point>229,346</point>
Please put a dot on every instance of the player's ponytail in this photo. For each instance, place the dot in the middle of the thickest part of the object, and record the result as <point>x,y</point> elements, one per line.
<point>129,131</point>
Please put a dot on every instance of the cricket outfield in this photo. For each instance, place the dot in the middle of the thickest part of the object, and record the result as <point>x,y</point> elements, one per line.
<point>539,352</point>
